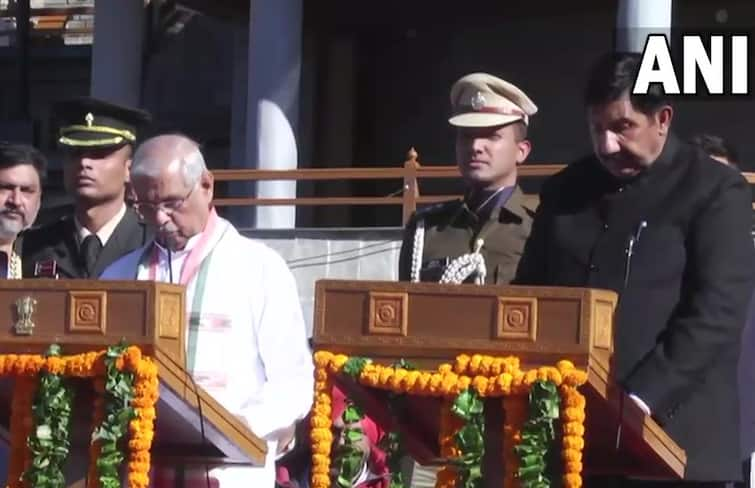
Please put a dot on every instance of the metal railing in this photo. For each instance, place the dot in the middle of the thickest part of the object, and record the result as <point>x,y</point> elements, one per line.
<point>410,173</point>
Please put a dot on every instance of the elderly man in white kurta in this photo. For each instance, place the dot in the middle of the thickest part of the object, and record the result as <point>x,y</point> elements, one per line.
<point>247,342</point>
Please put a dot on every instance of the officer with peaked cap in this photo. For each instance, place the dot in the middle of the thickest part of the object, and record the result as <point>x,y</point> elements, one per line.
<point>480,237</point>
<point>97,139</point>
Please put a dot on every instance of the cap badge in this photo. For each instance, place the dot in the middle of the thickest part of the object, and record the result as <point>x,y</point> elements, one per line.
<point>478,101</point>
<point>89,118</point>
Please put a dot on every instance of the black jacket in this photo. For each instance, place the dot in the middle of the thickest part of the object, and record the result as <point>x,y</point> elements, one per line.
<point>58,242</point>
<point>688,283</point>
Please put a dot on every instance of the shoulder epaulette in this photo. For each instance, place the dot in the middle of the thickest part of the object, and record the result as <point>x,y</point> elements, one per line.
<point>437,209</point>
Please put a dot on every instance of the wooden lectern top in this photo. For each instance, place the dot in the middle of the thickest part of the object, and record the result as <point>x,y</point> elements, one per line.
<point>87,315</point>
<point>429,324</point>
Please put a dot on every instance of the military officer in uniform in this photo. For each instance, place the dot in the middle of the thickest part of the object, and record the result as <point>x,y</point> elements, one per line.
<point>98,140</point>
<point>480,237</point>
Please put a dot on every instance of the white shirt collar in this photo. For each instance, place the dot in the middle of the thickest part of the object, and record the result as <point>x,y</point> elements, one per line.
<point>105,232</point>
<point>193,240</point>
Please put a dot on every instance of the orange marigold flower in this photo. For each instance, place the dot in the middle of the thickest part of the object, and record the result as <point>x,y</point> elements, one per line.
<point>554,376</point>
<point>147,413</point>
<point>435,381</point>
<point>573,442</point>
<point>398,375</point>
<point>575,378</point>
<point>142,457</point>
<point>322,358</point>
<point>321,374</point>
<point>485,364</point>
<point>530,377</point>
<point>474,364</point>
<point>411,379</point>
<point>322,435</point>
<point>423,383</point>
<point>320,422</point>
<point>564,366</point>
<point>385,375</point>
<point>571,455</point>
<point>139,444</point>
<point>573,414</point>
<point>462,361</point>
<point>572,481</point>
<point>463,382</point>
<point>55,365</point>
<point>574,428</point>
<point>322,410</point>
<point>574,399</point>
<point>503,382</point>
<point>480,383</point>
<point>320,480</point>
<point>133,357</point>
<point>448,383</point>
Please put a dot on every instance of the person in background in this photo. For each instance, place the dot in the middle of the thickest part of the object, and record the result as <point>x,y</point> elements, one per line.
<point>479,237</point>
<point>97,139</point>
<point>247,341</point>
<point>717,148</point>
<point>22,170</point>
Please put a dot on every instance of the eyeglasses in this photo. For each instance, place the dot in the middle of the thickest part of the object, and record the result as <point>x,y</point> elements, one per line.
<point>168,207</point>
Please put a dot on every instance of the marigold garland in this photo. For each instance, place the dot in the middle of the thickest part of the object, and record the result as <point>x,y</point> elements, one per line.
<point>450,425</point>
<point>321,421</point>
<point>142,426</point>
<point>90,365</point>
<point>489,376</point>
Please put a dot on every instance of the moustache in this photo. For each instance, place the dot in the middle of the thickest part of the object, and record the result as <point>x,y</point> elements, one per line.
<point>168,227</point>
<point>12,212</point>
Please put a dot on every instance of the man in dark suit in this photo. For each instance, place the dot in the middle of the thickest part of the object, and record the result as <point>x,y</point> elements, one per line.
<point>98,139</point>
<point>652,218</point>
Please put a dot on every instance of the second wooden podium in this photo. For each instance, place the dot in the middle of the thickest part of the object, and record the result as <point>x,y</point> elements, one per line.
<point>428,324</point>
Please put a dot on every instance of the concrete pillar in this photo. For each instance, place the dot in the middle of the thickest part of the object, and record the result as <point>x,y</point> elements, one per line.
<point>272,105</point>
<point>636,19</point>
<point>117,51</point>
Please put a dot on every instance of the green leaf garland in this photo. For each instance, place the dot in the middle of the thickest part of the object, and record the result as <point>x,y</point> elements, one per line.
<point>119,393</point>
<point>538,435</point>
<point>49,440</point>
<point>470,439</point>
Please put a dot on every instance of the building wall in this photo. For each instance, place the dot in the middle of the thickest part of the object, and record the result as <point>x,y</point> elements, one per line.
<point>375,82</point>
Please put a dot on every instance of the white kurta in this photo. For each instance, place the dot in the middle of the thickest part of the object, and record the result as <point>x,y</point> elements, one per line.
<point>252,353</point>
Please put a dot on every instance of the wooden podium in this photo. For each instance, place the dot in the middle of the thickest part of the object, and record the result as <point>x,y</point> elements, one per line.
<point>428,324</point>
<point>84,315</point>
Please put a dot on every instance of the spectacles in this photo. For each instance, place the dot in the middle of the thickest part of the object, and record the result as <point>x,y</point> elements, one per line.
<point>168,207</point>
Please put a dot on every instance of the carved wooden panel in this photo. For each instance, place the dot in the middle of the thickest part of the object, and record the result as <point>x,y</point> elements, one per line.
<point>388,313</point>
<point>517,319</point>
<point>169,320</point>
<point>602,336</point>
<point>87,312</point>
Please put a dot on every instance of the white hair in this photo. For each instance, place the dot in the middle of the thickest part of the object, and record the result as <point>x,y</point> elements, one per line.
<point>154,154</point>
